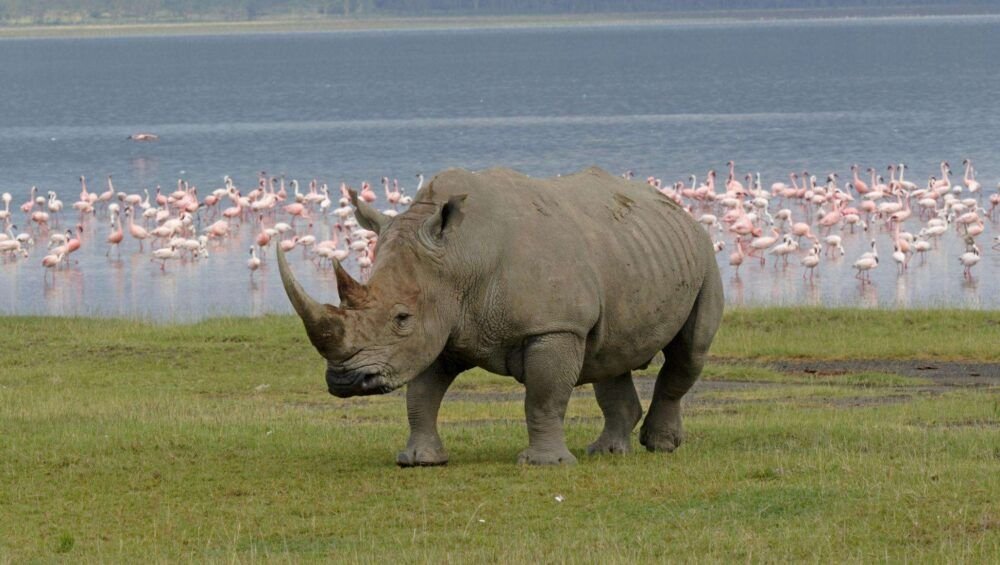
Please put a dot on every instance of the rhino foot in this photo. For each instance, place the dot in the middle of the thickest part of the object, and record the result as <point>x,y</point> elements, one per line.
<point>534,456</point>
<point>608,445</point>
<point>666,440</point>
<point>422,457</point>
<point>662,430</point>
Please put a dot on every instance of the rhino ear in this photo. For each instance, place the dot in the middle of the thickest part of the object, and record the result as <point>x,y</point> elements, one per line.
<point>368,217</point>
<point>444,220</point>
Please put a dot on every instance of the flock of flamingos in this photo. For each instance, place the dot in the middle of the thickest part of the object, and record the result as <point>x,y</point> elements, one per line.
<point>805,220</point>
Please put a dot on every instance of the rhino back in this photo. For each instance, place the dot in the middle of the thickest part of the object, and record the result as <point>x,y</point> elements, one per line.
<point>612,261</point>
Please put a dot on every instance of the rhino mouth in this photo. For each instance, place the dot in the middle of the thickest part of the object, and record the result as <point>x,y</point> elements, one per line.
<point>357,382</point>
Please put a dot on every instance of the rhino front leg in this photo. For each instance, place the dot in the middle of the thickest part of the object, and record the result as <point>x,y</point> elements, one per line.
<point>552,365</point>
<point>423,399</point>
<point>622,411</point>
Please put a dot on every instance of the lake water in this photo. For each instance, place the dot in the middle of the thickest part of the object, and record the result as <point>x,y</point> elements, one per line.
<point>667,101</point>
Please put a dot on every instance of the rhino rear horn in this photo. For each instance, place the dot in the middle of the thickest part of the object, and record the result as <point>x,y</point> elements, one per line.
<point>352,292</point>
<point>368,217</point>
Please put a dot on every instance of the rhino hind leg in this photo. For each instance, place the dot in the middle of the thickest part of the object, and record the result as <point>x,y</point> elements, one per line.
<point>622,411</point>
<point>423,399</point>
<point>684,358</point>
<point>552,364</point>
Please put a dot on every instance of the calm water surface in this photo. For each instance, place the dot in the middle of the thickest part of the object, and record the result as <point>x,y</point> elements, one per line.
<point>666,101</point>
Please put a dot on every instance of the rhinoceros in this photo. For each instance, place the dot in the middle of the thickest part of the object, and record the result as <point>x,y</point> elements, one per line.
<point>556,282</point>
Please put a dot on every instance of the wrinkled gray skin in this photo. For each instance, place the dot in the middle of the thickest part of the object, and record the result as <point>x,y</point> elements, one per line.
<point>556,282</point>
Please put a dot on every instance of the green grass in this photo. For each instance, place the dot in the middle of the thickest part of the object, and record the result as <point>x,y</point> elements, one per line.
<point>123,441</point>
<point>843,333</point>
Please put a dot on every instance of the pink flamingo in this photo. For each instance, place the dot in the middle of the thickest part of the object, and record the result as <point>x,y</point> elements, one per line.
<point>859,184</point>
<point>211,200</point>
<point>254,262</point>
<point>706,191</point>
<point>235,211</point>
<point>810,262</point>
<point>865,264</point>
<point>137,232</point>
<point>50,261</point>
<point>901,216</point>
<point>85,204</point>
<point>133,200</point>
<point>970,177</point>
<point>297,210</point>
<point>365,261</point>
<point>743,226</point>
<point>282,193</point>
<point>191,203</point>
<point>736,257</point>
<point>165,254</point>
<point>74,242</point>
<point>762,243</point>
<point>219,229</point>
<point>107,194</point>
<point>969,259</point>
<point>116,236</point>
<point>299,197</point>
<point>944,183</point>
<point>733,185</point>
<point>40,218</point>
<point>778,188</point>
<point>264,237</point>
<point>330,248</point>
<point>367,194</point>
<point>831,219</point>
<point>307,240</point>
<point>86,195</point>
<point>802,229</point>
<point>688,192</point>
<point>181,192</point>
<point>393,195</point>
<point>789,191</point>
<point>30,204</point>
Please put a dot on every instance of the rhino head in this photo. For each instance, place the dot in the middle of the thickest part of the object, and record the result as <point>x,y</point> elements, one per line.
<point>386,332</point>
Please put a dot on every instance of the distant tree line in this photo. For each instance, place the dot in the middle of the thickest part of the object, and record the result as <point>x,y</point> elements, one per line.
<point>55,11</point>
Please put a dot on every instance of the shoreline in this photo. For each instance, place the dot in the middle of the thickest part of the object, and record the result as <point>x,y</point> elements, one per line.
<point>437,23</point>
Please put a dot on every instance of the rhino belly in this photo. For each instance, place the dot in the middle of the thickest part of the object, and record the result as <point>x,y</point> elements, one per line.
<point>650,281</point>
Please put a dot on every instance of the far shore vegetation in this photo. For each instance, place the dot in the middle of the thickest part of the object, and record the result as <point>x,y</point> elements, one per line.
<point>304,17</point>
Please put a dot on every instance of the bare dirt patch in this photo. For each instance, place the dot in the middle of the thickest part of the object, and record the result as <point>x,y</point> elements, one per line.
<point>944,376</point>
<point>943,373</point>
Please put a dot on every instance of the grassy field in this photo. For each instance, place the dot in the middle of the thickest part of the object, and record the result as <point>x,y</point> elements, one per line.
<point>123,441</point>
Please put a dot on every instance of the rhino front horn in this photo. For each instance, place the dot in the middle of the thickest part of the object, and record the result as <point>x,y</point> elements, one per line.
<point>312,312</point>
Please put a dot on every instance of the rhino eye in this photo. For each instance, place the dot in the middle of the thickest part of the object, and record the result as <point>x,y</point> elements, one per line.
<point>401,318</point>
<point>402,321</point>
